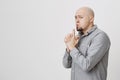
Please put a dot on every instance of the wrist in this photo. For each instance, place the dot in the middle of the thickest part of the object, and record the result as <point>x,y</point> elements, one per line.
<point>68,50</point>
<point>72,47</point>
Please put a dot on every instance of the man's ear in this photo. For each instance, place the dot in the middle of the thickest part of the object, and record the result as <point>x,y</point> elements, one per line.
<point>91,19</point>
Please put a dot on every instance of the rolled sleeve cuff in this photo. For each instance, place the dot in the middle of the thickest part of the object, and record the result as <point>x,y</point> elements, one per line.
<point>74,51</point>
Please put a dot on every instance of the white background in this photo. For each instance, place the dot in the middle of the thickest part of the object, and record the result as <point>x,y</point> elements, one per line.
<point>32,36</point>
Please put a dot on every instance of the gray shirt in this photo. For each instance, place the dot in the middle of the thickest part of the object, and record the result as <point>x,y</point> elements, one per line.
<point>89,60</point>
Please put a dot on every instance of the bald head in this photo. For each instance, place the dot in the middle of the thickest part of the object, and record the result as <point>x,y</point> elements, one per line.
<point>86,10</point>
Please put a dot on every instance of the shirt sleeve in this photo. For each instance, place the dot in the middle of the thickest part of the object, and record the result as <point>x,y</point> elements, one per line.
<point>67,60</point>
<point>99,46</point>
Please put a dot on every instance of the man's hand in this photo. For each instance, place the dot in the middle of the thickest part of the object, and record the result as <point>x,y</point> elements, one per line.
<point>71,40</point>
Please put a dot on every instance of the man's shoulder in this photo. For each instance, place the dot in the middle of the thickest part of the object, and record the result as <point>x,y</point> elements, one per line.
<point>101,34</point>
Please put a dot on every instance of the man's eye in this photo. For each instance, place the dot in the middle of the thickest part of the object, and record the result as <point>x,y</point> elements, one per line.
<point>81,17</point>
<point>75,17</point>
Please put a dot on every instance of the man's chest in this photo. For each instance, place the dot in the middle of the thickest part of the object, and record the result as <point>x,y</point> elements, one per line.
<point>84,44</point>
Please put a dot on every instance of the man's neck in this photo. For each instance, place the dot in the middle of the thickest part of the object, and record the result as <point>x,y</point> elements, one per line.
<point>89,28</point>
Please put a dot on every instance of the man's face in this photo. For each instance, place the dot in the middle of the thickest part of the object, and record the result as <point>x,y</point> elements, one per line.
<point>82,20</point>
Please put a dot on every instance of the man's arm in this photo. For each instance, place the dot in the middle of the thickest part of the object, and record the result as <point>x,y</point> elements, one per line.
<point>67,60</point>
<point>100,44</point>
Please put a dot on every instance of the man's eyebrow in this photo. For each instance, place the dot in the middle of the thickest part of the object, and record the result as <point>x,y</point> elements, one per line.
<point>78,15</point>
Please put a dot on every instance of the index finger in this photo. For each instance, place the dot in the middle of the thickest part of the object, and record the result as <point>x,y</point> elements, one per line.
<point>74,33</point>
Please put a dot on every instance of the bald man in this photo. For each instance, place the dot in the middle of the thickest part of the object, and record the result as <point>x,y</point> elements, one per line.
<point>87,52</point>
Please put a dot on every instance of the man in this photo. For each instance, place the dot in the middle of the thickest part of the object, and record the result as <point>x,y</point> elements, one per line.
<point>86,53</point>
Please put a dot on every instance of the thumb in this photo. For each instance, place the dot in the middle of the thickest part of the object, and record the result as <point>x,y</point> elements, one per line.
<point>77,37</point>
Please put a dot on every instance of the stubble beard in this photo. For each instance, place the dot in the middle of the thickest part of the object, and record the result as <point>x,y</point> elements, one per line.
<point>80,30</point>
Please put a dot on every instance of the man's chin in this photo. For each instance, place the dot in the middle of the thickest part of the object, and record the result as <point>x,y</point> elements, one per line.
<point>79,29</point>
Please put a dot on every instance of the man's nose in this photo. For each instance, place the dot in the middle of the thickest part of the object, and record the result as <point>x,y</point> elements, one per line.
<point>77,21</point>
